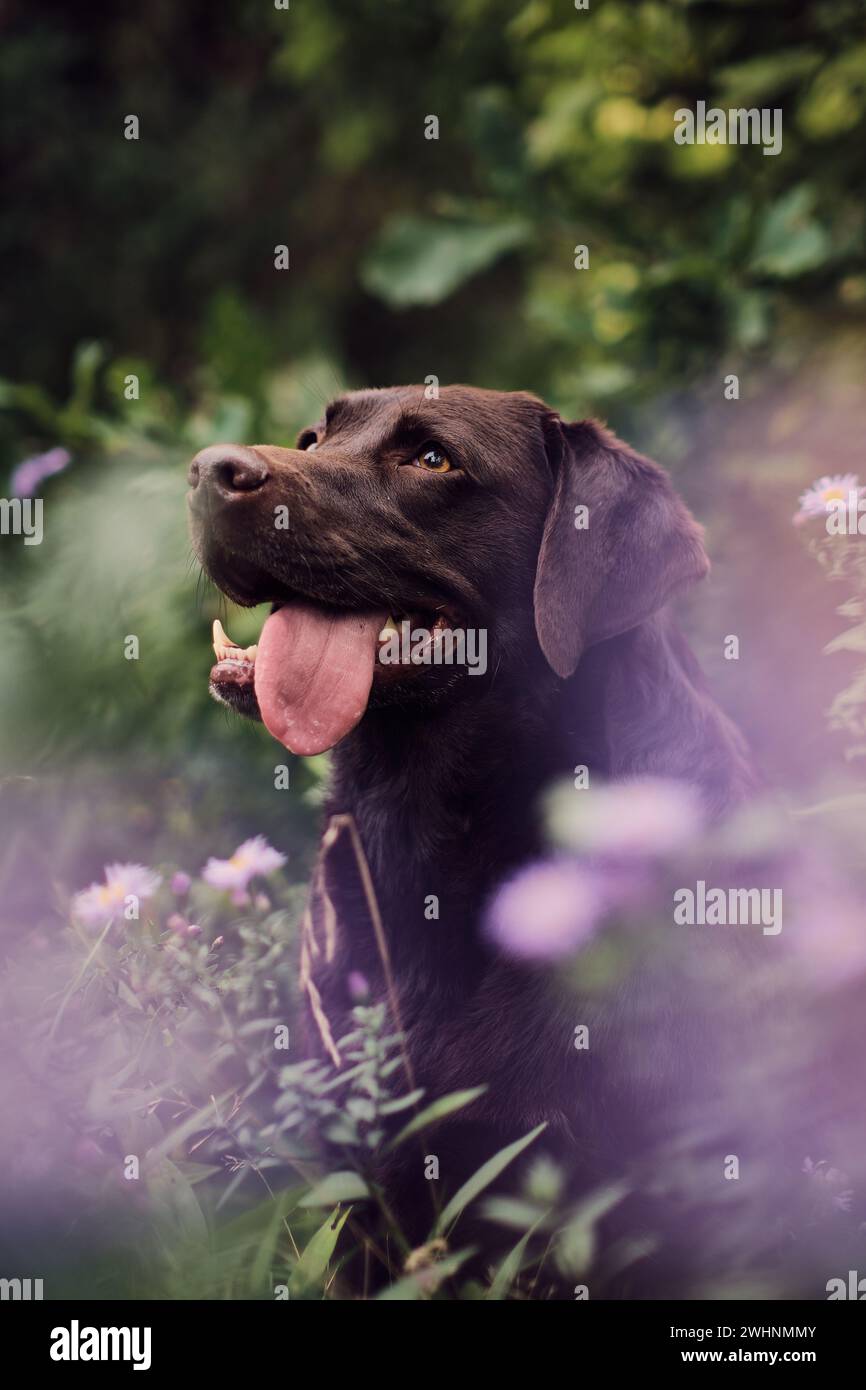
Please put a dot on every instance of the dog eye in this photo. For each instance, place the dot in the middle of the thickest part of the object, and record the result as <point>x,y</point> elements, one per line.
<point>308,440</point>
<point>434,459</point>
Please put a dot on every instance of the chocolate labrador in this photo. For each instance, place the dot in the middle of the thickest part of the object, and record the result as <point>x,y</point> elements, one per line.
<point>468,598</point>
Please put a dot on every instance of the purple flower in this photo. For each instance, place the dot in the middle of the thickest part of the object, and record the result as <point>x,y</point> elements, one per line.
<point>827,491</point>
<point>640,818</point>
<point>180,883</point>
<point>547,911</point>
<point>357,986</point>
<point>97,905</point>
<point>251,859</point>
<point>826,925</point>
<point>29,475</point>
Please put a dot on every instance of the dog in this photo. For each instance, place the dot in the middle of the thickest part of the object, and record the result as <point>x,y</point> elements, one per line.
<point>477,510</point>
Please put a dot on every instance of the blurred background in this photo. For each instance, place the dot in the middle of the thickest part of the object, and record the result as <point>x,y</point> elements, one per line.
<point>153,259</point>
<point>306,128</point>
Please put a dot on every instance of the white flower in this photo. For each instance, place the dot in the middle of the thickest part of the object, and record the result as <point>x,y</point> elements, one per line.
<point>97,905</point>
<point>251,859</point>
<point>817,499</point>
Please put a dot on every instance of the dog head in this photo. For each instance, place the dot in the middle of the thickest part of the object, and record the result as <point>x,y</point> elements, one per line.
<point>404,536</point>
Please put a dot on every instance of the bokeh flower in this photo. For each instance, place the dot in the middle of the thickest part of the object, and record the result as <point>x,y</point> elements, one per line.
<point>638,818</point>
<point>29,475</point>
<point>180,883</point>
<point>825,926</point>
<point>816,500</point>
<point>357,985</point>
<point>547,910</point>
<point>255,858</point>
<point>97,905</point>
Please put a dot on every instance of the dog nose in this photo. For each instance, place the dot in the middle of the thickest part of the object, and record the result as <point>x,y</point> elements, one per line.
<point>228,469</point>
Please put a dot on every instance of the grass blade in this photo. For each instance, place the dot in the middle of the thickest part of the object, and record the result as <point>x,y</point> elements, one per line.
<point>445,1105</point>
<point>337,1187</point>
<point>312,1267</point>
<point>485,1175</point>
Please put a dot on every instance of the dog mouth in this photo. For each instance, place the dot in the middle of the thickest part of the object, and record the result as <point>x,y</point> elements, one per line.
<point>310,675</point>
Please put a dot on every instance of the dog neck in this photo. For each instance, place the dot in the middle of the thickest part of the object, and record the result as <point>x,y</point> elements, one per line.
<point>659,718</point>
<point>448,801</point>
<point>450,780</point>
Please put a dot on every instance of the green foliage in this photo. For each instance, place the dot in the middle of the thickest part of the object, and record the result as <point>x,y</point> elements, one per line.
<point>844,560</point>
<point>555,128</point>
<point>158,1048</point>
<point>423,262</point>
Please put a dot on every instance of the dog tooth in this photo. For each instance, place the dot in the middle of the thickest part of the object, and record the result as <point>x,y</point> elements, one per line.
<point>221,638</point>
<point>389,627</point>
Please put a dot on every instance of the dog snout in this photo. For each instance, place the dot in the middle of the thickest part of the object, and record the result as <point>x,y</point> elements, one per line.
<point>227,471</point>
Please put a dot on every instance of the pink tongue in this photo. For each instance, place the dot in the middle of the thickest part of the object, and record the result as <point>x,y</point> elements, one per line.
<point>313,674</point>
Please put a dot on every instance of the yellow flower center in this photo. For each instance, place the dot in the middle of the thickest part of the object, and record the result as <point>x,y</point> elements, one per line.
<point>110,893</point>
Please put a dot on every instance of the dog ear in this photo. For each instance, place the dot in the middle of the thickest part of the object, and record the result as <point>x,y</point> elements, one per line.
<point>617,542</point>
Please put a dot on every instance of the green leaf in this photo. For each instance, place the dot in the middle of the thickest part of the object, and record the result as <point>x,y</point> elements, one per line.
<point>419,260</point>
<point>344,1186</point>
<point>393,1107</point>
<point>88,358</point>
<point>426,1281</point>
<point>361,1109</point>
<point>835,101</point>
<point>516,1212</point>
<point>511,1265</point>
<point>281,1205</point>
<point>445,1105</point>
<point>174,1203</point>
<point>486,1174</point>
<point>576,1244</point>
<point>765,74</point>
<point>311,1268</point>
<point>790,241</point>
<point>247,1228</point>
